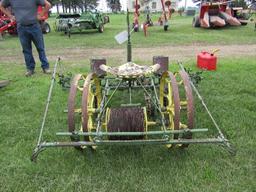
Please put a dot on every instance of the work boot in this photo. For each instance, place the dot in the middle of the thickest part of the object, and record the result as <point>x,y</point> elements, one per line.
<point>29,73</point>
<point>47,71</point>
<point>3,83</point>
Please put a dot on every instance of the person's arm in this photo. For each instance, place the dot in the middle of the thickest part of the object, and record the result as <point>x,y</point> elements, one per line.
<point>45,9</point>
<point>7,12</point>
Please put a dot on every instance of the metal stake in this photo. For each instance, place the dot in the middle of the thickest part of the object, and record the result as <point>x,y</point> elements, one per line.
<point>48,102</point>
<point>129,45</point>
<point>231,149</point>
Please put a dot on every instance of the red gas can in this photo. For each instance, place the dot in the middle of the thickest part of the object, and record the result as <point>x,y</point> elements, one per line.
<point>206,61</point>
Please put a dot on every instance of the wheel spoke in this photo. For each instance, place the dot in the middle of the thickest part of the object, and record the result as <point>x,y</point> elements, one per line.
<point>172,104</point>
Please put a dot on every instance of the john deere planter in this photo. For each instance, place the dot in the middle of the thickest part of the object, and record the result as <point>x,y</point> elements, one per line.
<point>130,105</point>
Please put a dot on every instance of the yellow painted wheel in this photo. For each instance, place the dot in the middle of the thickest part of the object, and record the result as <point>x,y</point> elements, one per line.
<point>91,100</point>
<point>170,102</point>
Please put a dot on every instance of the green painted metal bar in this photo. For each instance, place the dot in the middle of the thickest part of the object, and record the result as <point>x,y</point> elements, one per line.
<point>134,87</point>
<point>132,133</point>
<point>57,62</point>
<point>160,141</point>
<point>165,141</point>
<point>230,147</point>
<point>132,142</point>
<point>131,105</point>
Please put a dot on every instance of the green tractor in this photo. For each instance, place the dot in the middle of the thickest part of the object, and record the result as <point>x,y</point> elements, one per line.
<point>70,22</point>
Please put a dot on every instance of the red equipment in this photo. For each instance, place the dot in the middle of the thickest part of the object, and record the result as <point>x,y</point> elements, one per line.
<point>6,25</point>
<point>206,61</point>
<point>136,16</point>
<point>163,19</point>
<point>215,14</point>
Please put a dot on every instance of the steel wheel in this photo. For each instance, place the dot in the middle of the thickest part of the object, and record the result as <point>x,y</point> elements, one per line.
<point>47,28</point>
<point>169,100</point>
<point>74,107</point>
<point>186,103</point>
<point>101,28</point>
<point>91,100</point>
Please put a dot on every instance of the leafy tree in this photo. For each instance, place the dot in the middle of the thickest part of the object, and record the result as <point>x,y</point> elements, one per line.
<point>114,5</point>
<point>74,5</point>
<point>239,3</point>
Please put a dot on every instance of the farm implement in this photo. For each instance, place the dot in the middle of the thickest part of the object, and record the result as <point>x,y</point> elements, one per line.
<point>158,108</point>
<point>162,21</point>
<point>71,22</point>
<point>130,105</point>
<point>214,14</point>
<point>6,25</point>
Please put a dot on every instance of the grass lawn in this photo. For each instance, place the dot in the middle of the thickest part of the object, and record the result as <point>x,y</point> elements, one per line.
<point>229,92</point>
<point>180,32</point>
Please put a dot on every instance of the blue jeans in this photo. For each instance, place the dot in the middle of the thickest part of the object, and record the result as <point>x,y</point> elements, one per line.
<point>27,35</point>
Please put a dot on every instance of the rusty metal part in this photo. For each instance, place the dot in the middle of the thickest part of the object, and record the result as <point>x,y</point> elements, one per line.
<point>190,104</point>
<point>71,102</point>
<point>126,119</point>
<point>163,62</point>
<point>95,66</point>
<point>189,97</point>
<point>149,105</point>
<point>176,99</point>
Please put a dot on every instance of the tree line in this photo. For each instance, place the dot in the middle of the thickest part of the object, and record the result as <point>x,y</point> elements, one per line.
<point>68,6</point>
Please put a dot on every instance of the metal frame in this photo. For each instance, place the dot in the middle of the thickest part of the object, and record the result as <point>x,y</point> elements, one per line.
<point>99,137</point>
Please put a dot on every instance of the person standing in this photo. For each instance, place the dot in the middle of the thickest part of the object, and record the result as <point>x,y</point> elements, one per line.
<point>29,30</point>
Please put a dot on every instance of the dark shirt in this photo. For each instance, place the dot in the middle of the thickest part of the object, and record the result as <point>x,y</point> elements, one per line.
<point>25,11</point>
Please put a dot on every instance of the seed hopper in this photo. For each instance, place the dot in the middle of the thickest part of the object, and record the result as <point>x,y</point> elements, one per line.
<point>130,105</point>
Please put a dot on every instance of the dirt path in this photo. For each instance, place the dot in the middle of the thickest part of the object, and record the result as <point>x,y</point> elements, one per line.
<point>183,53</point>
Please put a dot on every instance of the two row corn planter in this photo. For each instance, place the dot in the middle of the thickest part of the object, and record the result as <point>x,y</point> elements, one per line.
<point>155,107</point>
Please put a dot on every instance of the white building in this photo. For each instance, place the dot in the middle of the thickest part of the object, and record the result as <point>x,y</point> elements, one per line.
<point>153,5</point>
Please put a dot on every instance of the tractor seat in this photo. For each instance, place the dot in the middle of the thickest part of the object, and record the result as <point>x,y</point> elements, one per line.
<point>130,70</point>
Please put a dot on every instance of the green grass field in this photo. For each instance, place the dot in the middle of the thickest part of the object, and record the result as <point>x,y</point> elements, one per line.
<point>229,92</point>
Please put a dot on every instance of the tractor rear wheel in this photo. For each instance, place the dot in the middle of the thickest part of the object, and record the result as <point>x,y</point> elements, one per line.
<point>196,21</point>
